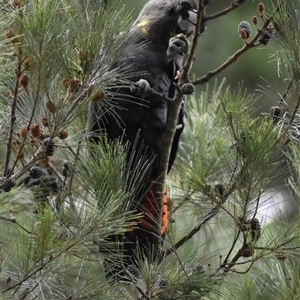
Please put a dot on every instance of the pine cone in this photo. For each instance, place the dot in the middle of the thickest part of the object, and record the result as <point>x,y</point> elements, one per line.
<point>242,223</point>
<point>36,172</point>
<point>244,26</point>
<point>163,283</point>
<point>255,229</point>
<point>247,252</point>
<point>276,113</point>
<point>51,106</point>
<point>198,268</point>
<point>7,184</point>
<point>63,134</point>
<point>266,36</point>
<point>49,144</point>
<point>187,88</point>
<point>134,271</point>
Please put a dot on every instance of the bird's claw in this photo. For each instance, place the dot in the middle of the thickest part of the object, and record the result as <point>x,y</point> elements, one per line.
<point>141,88</point>
<point>178,44</point>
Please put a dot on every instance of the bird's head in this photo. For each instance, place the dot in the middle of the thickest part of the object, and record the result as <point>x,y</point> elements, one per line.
<point>162,19</point>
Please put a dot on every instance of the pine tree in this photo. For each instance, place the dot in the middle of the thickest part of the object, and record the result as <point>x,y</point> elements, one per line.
<point>62,197</point>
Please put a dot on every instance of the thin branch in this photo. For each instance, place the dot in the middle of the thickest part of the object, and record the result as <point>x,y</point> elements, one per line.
<point>287,89</point>
<point>71,175</point>
<point>183,201</point>
<point>213,212</point>
<point>13,115</point>
<point>180,262</point>
<point>222,12</point>
<point>13,220</point>
<point>236,237</point>
<point>76,157</point>
<point>257,202</point>
<point>242,272</point>
<point>234,261</point>
<point>277,248</point>
<point>40,153</point>
<point>238,255</point>
<point>188,64</point>
<point>154,94</point>
<point>227,63</point>
<point>29,123</point>
<point>294,112</point>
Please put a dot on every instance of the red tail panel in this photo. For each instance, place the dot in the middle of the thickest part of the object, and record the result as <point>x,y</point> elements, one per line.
<point>148,208</point>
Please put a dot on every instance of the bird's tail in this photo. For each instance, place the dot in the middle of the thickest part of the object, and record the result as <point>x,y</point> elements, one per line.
<point>147,210</point>
<point>137,242</point>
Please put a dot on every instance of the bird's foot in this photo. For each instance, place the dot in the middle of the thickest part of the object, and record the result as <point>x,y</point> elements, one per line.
<point>141,88</point>
<point>178,44</point>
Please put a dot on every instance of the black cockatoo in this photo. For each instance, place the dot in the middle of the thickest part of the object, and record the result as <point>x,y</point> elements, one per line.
<point>157,40</point>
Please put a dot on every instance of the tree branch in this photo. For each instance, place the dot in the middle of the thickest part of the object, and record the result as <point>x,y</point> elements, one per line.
<point>13,220</point>
<point>222,12</point>
<point>153,93</point>
<point>213,212</point>
<point>29,123</point>
<point>13,115</point>
<point>40,153</point>
<point>173,112</point>
<point>188,64</point>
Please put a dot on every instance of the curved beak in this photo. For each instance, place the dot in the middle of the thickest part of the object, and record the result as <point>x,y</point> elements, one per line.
<point>187,26</point>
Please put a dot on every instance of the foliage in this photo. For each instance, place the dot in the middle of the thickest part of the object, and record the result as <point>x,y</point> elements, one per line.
<point>56,57</point>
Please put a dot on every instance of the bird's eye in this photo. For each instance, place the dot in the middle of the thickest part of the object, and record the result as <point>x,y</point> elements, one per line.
<point>171,10</point>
